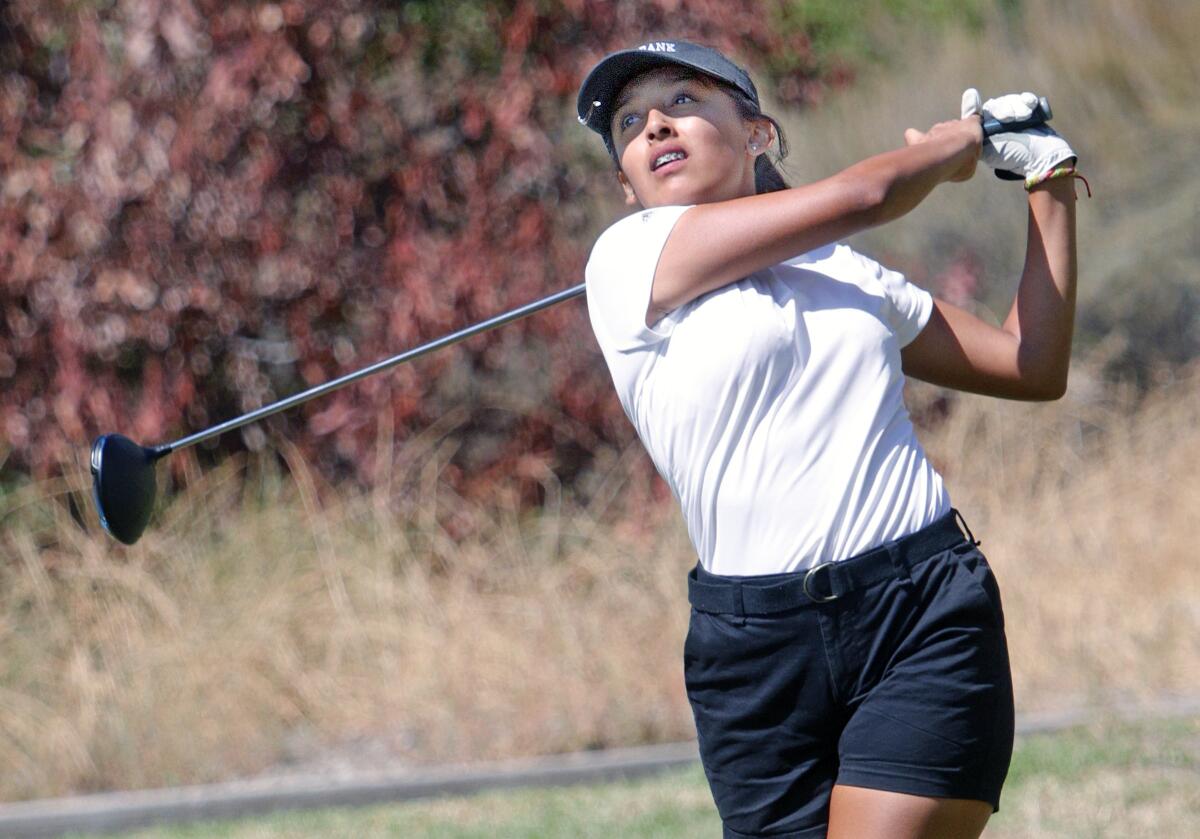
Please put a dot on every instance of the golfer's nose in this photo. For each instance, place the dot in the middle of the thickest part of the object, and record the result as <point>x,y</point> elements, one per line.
<point>658,125</point>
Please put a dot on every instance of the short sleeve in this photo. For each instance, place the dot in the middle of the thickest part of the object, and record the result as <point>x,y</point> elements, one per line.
<point>619,275</point>
<point>907,307</point>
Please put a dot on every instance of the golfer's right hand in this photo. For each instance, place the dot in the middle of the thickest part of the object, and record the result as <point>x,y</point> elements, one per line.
<point>963,136</point>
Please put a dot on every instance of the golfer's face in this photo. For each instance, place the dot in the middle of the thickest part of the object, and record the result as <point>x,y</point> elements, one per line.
<point>680,140</point>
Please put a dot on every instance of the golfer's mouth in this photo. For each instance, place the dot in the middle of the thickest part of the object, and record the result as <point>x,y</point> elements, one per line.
<point>667,158</point>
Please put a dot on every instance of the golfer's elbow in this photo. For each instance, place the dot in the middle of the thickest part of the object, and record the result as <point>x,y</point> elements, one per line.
<point>1049,393</point>
<point>1057,388</point>
<point>1046,385</point>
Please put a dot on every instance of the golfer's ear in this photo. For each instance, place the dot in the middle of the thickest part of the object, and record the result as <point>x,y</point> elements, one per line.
<point>762,136</point>
<point>630,198</point>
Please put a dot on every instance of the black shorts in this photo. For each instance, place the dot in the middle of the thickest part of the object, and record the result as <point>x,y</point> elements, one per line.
<point>888,670</point>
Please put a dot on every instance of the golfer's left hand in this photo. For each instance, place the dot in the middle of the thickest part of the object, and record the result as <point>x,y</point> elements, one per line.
<point>1024,155</point>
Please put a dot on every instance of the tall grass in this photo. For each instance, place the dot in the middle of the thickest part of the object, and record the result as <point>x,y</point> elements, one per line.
<point>268,618</point>
<point>1085,507</point>
<point>261,619</point>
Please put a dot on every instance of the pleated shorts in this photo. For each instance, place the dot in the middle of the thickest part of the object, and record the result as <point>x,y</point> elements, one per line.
<point>888,670</point>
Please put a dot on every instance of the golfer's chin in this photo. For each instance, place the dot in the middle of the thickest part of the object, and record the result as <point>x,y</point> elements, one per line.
<point>679,190</point>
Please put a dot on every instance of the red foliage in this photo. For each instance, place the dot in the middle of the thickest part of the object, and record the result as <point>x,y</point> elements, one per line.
<point>205,206</point>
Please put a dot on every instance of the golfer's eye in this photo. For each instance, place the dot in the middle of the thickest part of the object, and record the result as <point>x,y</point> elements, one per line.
<point>682,99</point>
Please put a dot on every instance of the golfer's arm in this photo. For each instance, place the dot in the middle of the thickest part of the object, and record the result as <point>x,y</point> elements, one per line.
<point>1029,355</point>
<point>716,244</point>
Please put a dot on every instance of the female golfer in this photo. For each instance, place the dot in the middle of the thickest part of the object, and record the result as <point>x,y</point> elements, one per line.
<point>845,661</point>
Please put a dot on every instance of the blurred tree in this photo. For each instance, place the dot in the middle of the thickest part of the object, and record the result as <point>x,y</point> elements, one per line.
<point>205,206</point>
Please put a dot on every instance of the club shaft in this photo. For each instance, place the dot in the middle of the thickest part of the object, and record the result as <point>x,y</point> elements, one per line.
<point>378,367</point>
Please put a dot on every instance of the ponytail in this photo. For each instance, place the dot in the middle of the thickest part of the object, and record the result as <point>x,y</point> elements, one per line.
<point>767,178</point>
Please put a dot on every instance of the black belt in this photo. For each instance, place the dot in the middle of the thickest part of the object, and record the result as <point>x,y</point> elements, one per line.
<point>829,580</point>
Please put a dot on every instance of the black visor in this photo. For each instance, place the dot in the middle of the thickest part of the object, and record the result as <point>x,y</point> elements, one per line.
<point>604,83</point>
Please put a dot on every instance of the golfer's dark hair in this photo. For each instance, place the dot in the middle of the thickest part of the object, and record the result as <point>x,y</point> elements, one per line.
<point>767,177</point>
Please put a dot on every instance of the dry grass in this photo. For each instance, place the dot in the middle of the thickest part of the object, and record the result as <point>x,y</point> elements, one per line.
<point>264,618</point>
<point>255,623</point>
<point>1085,507</point>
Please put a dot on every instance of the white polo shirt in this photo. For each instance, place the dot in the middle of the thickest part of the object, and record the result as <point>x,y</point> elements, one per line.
<point>773,407</point>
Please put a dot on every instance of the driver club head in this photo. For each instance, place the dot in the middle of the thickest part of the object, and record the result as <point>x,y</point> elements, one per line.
<point>123,483</point>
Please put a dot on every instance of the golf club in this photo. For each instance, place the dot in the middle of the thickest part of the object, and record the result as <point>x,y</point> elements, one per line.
<point>123,471</point>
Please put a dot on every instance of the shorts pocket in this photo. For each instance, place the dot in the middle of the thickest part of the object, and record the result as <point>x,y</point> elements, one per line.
<point>984,581</point>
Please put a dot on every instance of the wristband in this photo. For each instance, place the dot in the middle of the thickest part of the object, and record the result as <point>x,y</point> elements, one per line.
<point>1065,171</point>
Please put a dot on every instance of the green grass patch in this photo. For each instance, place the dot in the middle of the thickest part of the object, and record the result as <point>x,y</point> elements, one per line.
<point>1102,780</point>
<point>1073,754</point>
<point>666,806</point>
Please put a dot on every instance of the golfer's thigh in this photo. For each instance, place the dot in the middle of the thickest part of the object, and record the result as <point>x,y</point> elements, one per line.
<point>860,813</point>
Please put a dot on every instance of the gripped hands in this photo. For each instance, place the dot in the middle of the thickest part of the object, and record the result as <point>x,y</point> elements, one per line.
<point>962,140</point>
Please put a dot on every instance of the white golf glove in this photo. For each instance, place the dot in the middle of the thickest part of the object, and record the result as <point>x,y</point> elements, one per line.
<point>1032,155</point>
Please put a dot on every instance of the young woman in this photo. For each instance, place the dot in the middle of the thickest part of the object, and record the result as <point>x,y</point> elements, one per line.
<point>845,660</point>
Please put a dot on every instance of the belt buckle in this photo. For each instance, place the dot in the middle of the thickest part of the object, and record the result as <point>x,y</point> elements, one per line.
<point>808,579</point>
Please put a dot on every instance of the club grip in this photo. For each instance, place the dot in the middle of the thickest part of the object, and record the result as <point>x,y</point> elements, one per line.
<point>1041,114</point>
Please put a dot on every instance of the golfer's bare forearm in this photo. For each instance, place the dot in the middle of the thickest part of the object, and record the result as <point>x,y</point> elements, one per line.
<point>902,179</point>
<point>1043,314</point>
